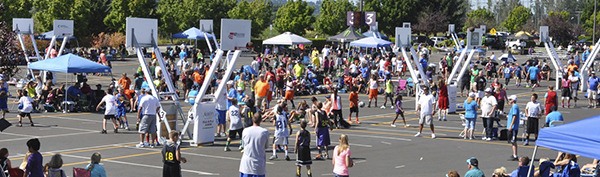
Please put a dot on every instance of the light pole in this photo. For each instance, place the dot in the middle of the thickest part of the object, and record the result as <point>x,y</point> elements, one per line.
<point>594,28</point>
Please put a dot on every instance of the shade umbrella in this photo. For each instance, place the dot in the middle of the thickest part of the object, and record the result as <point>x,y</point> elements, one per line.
<point>69,63</point>
<point>371,42</point>
<point>192,33</point>
<point>287,38</point>
<point>508,57</point>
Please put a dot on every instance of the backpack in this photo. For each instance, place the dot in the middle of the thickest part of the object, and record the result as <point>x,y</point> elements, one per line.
<point>565,83</point>
<point>3,169</point>
<point>571,170</point>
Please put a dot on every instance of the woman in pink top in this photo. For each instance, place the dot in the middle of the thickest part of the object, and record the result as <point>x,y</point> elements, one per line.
<point>341,158</point>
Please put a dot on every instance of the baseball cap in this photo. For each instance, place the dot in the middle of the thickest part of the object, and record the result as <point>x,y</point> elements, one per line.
<point>513,97</point>
<point>240,88</point>
<point>472,94</point>
<point>229,82</point>
<point>488,89</point>
<point>473,161</point>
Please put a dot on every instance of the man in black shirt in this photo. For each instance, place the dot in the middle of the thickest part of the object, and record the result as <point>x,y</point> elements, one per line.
<point>172,156</point>
<point>481,83</point>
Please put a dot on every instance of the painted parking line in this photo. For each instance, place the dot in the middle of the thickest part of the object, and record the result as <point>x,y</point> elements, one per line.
<point>377,137</point>
<point>115,160</point>
<point>194,154</point>
<point>80,149</point>
<point>47,136</point>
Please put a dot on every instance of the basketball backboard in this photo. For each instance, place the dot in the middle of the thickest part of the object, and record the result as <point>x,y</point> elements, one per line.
<point>23,25</point>
<point>235,34</point>
<point>474,38</point>
<point>206,26</point>
<point>63,28</point>
<point>145,31</point>
<point>403,36</point>
<point>451,28</point>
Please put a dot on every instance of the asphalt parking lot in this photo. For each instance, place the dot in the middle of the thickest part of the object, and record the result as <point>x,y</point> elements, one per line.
<point>378,149</point>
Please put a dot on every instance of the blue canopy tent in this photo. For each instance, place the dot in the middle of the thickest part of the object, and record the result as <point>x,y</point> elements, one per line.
<point>69,63</point>
<point>48,36</point>
<point>580,138</point>
<point>192,33</point>
<point>371,42</point>
<point>375,34</point>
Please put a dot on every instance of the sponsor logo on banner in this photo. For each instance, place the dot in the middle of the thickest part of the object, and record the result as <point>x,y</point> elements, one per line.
<point>236,35</point>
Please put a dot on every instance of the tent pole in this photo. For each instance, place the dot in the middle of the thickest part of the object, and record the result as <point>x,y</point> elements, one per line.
<point>532,159</point>
<point>66,88</point>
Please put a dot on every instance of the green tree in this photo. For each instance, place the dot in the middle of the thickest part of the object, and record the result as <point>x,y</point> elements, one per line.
<point>8,46</point>
<point>295,16</point>
<point>46,11</point>
<point>118,11</point>
<point>15,9</point>
<point>480,17</point>
<point>589,25</point>
<point>560,29</point>
<point>503,8</point>
<point>454,10</point>
<point>431,22</point>
<point>170,16</point>
<point>206,9</point>
<point>121,9</point>
<point>259,11</point>
<point>392,13</point>
<point>332,18</point>
<point>517,18</point>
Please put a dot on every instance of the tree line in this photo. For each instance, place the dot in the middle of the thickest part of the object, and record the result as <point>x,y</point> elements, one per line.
<point>93,17</point>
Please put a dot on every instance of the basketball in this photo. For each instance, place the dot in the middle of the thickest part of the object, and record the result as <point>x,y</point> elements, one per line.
<point>361,104</point>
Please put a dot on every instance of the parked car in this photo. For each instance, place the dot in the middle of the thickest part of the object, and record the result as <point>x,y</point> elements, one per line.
<point>422,40</point>
<point>438,40</point>
<point>516,44</point>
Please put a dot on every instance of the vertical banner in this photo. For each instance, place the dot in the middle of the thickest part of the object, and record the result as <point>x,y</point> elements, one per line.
<point>451,98</point>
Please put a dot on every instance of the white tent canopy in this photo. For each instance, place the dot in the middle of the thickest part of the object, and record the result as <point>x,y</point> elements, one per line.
<point>287,38</point>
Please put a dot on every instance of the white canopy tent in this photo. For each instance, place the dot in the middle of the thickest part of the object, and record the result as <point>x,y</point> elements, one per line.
<point>287,38</point>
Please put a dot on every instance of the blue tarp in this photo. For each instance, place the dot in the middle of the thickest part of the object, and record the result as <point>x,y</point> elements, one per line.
<point>48,36</point>
<point>69,63</point>
<point>375,34</point>
<point>371,42</point>
<point>580,138</point>
<point>192,33</point>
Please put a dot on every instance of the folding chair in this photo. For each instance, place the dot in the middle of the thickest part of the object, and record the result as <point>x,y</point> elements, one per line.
<point>464,124</point>
<point>401,86</point>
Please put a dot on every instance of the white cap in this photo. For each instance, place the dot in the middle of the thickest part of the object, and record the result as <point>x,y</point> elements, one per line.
<point>488,89</point>
<point>240,88</point>
<point>229,82</point>
<point>472,95</point>
<point>513,97</point>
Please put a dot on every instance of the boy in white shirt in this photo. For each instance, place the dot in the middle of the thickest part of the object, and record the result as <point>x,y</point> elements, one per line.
<point>110,110</point>
<point>533,111</point>
<point>282,132</point>
<point>236,125</point>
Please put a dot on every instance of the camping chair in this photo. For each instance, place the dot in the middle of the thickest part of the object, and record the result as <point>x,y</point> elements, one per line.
<point>15,172</point>
<point>401,86</point>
